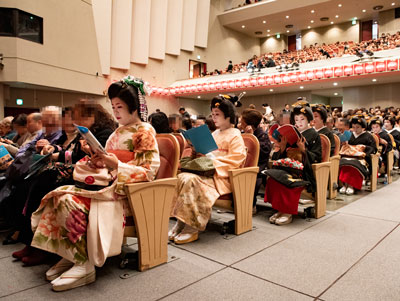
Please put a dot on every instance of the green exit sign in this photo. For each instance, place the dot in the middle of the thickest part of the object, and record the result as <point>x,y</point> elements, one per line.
<point>19,101</point>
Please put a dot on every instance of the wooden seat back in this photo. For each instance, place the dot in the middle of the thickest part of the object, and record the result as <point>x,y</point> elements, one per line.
<point>169,156</point>
<point>337,145</point>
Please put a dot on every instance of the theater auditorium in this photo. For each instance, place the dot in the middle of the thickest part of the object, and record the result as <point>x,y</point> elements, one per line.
<point>199,150</point>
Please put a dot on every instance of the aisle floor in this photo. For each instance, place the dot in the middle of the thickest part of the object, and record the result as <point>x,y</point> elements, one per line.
<point>350,254</point>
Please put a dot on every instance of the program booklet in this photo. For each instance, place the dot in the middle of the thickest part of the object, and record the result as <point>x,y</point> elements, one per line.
<point>201,139</point>
<point>91,139</point>
<point>5,158</point>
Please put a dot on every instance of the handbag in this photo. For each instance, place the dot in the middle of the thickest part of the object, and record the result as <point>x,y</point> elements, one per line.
<point>355,151</point>
<point>90,177</point>
<point>202,166</point>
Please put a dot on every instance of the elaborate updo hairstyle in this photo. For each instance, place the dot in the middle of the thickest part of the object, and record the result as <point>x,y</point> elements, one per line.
<point>127,93</point>
<point>301,107</point>
<point>226,105</point>
<point>373,121</point>
<point>391,120</point>
<point>358,119</point>
<point>322,111</point>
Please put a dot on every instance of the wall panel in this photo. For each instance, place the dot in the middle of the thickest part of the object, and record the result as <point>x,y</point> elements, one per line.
<point>189,24</point>
<point>141,12</point>
<point>202,18</point>
<point>121,34</point>
<point>174,27</point>
<point>158,28</point>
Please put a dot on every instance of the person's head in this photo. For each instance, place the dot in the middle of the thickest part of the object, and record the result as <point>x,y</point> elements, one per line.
<point>93,116</point>
<point>175,122</point>
<point>375,126</point>
<point>182,110</point>
<point>301,116</point>
<point>210,123</point>
<point>358,124</point>
<point>330,122</point>
<point>34,122</point>
<point>51,119</point>
<point>251,118</point>
<point>200,120</point>
<point>389,123</point>
<point>287,107</point>
<point>252,106</point>
<point>320,115</point>
<point>67,121</point>
<point>186,123</point>
<point>5,125</point>
<point>19,124</point>
<point>343,124</point>
<point>125,101</point>
<point>160,123</point>
<point>223,112</point>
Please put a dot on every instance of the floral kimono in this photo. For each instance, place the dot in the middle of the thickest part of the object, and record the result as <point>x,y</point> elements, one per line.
<point>195,195</point>
<point>80,224</point>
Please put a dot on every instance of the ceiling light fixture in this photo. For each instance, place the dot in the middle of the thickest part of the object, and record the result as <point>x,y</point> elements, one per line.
<point>364,10</point>
<point>199,96</point>
<point>268,30</point>
<point>337,16</point>
<point>301,87</point>
<point>374,79</point>
<point>287,30</point>
<point>271,90</point>
<point>335,94</point>
<point>268,35</point>
<point>313,11</point>
<point>243,26</point>
<point>287,17</point>
<point>332,22</point>
<point>393,4</point>
<point>339,5</point>
<point>335,84</point>
<point>312,21</point>
<point>309,27</point>
<point>264,21</point>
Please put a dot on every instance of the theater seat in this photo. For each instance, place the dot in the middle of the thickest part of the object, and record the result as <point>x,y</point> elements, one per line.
<point>390,161</point>
<point>321,174</point>
<point>243,182</point>
<point>181,142</point>
<point>334,170</point>
<point>375,163</point>
<point>151,202</point>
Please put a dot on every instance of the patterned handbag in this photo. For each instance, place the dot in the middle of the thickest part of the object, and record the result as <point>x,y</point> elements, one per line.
<point>202,166</point>
<point>88,176</point>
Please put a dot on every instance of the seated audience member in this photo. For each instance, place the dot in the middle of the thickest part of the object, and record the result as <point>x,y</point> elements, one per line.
<point>389,124</point>
<point>210,123</point>
<point>6,128</point>
<point>250,123</point>
<point>160,123</point>
<point>355,164</point>
<point>385,143</point>
<point>200,120</point>
<point>186,124</point>
<point>183,112</point>
<point>68,150</point>
<point>230,67</point>
<point>19,126</point>
<point>320,117</point>
<point>175,123</point>
<point>281,191</point>
<point>195,195</point>
<point>78,215</point>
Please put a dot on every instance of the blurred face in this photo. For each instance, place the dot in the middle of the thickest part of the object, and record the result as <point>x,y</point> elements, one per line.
<point>21,130</point>
<point>33,125</point>
<point>242,124</point>
<point>199,122</point>
<point>387,125</point>
<point>51,120</point>
<point>68,123</point>
<point>301,122</point>
<point>121,112</point>
<point>376,128</point>
<point>219,119</point>
<point>318,123</point>
<point>357,129</point>
<point>79,119</point>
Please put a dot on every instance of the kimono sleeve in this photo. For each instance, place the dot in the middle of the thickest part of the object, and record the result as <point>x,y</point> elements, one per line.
<point>144,166</point>
<point>314,150</point>
<point>370,145</point>
<point>234,159</point>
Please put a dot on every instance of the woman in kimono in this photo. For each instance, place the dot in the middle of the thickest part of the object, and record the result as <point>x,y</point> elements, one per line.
<point>385,143</point>
<point>389,124</point>
<point>85,225</point>
<point>320,116</point>
<point>283,189</point>
<point>195,195</point>
<point>352,170</point>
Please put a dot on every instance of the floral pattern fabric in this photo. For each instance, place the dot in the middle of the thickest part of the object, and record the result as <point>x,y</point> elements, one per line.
<point>78,224</point>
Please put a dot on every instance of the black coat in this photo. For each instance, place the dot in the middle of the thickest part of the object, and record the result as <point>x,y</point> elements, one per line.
<point>329,134</point>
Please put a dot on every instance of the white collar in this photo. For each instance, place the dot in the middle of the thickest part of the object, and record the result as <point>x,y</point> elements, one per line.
<point>356,136</point>
<point>320,128</point>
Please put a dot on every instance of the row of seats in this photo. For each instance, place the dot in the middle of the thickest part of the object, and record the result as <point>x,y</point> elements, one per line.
<point>151,201</point>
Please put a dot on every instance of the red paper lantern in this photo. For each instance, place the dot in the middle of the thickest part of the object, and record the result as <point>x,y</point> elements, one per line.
<point>369,67</point>
<point>238,83</point>
<point>285,78</point>
<point>199,87</point>
<point>160,90</point>
<point>277,79</point>
<point>302,76</point>
<point>212,86</point>
<point>293,77</point>
<point>182,89</point>
<point>261,81</point>
<point>359,69</point>
<point>218,85</point>
<point>270,80</point>
<point>328,72</point>
<point>380,66</point>
<point>392,65</point>
<point>348,70</point>
<point>206,87</point>
<point>231,84</point>
<point>253,81</point>
<point>165,91</point>
<point>338,71</point>
<point>224,85</point>
<point>173,91</point>
<point>310,75</point>
<point>319,74</point>
<point>246,82</point>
